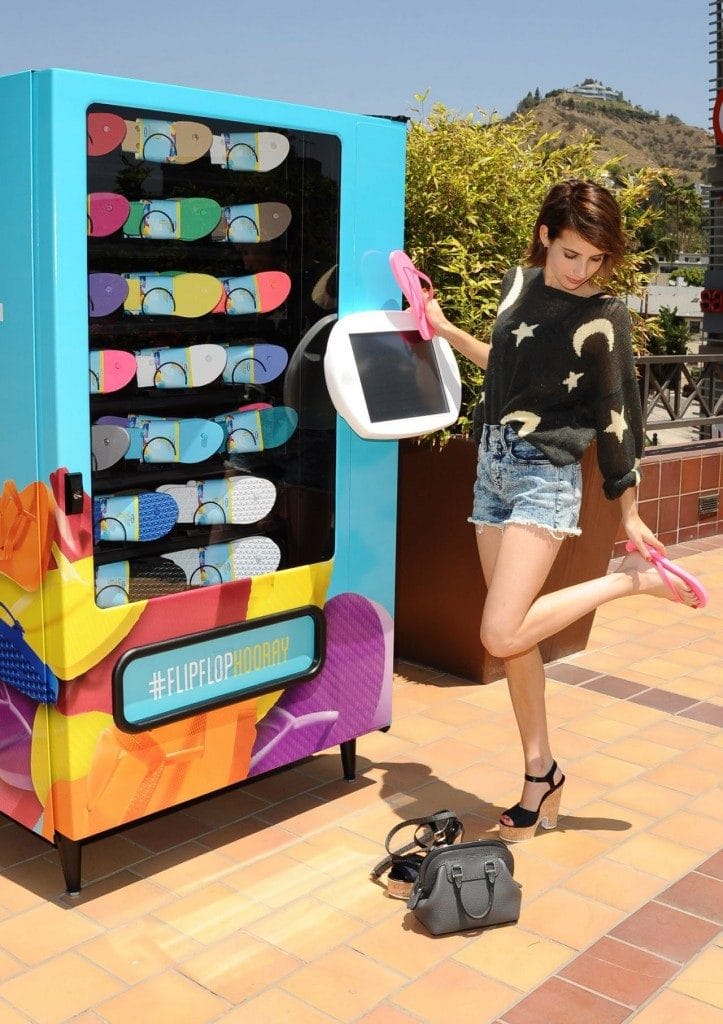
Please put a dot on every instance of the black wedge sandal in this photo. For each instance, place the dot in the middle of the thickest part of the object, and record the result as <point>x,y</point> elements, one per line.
<point>443,828</point>
<point>525,822</point>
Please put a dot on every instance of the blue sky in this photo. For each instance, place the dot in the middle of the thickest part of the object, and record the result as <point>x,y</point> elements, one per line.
<point>372,56</point>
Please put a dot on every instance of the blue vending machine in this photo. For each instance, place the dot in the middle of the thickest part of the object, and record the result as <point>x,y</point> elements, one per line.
<point>196,552</point>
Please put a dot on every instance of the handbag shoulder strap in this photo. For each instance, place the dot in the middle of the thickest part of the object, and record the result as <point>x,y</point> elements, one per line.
<point>428,831</point>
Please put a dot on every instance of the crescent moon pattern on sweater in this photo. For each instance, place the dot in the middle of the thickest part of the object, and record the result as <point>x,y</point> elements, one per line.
<point>561,366</point>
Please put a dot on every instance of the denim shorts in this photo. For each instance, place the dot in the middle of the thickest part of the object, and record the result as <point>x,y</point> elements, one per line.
<point>517,483</point>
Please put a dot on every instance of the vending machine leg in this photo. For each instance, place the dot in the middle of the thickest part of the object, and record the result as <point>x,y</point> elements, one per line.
<point>69,850</point>
<point>348,759</point>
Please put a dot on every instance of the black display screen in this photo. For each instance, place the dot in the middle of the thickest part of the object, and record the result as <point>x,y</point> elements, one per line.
<point>399,375</point>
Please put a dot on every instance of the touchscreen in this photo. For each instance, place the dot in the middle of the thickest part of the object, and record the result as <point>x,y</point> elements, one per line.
<point>399,375</point>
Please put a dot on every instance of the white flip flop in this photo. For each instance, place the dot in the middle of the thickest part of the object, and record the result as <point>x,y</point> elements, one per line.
<point>244,500</point>
<point>220,563</point>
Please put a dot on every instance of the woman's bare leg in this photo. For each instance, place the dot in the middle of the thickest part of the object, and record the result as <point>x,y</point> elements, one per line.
<point>525,679</point>
<point>515,619</point>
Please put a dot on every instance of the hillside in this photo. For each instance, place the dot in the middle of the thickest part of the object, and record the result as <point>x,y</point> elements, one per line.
<point>636,135</point>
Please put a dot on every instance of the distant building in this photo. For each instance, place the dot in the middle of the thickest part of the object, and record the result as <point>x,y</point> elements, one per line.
<point>683,259</point>
<point>684,299</point>
<point>595,90</point>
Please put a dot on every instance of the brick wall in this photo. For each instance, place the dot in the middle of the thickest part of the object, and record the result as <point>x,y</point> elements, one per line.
<point>669,493</point>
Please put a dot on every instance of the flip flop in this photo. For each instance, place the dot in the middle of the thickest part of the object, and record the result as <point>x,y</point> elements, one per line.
<point>20,667</point>
<point>253,293</point>
<point>252,222</point>
<point>408,277</point>
<point>186,440</point>
<point>105,132</point>
<point>186,219</point>
<point>243,499</point>
<point>254,363</point>
<point>110,370</point>
<point>107,212</point>
<point>221,563</point>
<point>106,293</point>
<point>255,430</point>
<point>167,142</point>
<point>249,151</point>
<point>153,439</point>
<point>179,367</point>
<point>666,569</point>
<point>187,295</point>
<point>145,515</point>
<point>109,443</point>
<point>118,583</point>
<point>27,532</point>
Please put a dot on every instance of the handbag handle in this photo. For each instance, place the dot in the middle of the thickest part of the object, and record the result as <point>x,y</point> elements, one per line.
<point>436,828</point>
<point>456,877</point>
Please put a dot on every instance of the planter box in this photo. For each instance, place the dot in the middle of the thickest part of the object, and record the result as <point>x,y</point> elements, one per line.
<point>440,590</point>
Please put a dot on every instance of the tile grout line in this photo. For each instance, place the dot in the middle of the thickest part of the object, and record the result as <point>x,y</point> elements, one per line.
<point>681,965</point>
<point>689,706</point>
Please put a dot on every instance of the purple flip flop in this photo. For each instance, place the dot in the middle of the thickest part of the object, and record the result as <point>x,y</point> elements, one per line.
<point>106,293</point>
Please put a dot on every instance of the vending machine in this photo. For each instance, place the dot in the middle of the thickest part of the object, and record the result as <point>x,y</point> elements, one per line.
<point>196,551</point>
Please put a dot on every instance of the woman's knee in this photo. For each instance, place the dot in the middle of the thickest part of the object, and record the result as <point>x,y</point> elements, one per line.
<point>498,637</point>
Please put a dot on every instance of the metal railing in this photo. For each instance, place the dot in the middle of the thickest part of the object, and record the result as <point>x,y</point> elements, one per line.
<point>682,395</point>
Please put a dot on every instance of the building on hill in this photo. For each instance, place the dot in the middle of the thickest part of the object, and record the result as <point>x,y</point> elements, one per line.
<point>595,90</point>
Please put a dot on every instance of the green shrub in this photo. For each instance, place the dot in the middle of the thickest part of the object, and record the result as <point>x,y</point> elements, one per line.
<point>669,335</point>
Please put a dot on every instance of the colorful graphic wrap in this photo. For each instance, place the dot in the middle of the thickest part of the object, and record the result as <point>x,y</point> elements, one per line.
<point>67,766</point>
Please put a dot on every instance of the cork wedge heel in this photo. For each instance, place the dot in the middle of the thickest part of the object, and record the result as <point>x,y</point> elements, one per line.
<point>525,821</point>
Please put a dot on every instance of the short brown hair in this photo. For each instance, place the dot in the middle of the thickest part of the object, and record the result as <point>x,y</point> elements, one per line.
<point>588,209</point>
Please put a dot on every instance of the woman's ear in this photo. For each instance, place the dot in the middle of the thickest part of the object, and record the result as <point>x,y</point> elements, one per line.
<point>544,235</point>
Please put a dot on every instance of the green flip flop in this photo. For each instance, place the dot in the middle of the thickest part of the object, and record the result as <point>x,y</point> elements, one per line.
<point>185,219</point>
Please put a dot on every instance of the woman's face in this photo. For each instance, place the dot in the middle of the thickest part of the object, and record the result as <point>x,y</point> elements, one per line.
<point>570,261</point>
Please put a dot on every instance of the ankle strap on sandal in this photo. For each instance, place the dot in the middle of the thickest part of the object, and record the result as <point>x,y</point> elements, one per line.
<point>549,778</point>
<point>438,829</point>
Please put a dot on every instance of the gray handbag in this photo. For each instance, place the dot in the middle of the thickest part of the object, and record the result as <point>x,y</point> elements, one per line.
<point>466,886</point>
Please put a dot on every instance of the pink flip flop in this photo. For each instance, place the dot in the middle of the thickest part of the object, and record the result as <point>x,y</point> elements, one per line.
<point>666,569</point>
<point>408,277</point>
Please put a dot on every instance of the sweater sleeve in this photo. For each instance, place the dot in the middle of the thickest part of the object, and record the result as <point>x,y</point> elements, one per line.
<point>618,415</point>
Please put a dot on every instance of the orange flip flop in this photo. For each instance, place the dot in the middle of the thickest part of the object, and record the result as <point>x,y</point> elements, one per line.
<point>27,519</point>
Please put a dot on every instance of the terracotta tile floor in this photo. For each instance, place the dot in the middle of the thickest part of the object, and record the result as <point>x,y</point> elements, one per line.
<point>256,904</point>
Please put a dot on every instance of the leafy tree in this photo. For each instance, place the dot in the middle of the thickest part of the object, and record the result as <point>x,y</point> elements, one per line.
<point>694,276</point>
<point>679,224</point>
<point>475,184</point>
<point>670,334</point>
<point>528,102</point>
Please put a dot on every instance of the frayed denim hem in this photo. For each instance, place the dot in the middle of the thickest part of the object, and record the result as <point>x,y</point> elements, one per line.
<point>559,534</point>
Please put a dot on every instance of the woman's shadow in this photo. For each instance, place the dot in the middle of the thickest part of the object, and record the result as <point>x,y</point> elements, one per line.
<point>406,787</point>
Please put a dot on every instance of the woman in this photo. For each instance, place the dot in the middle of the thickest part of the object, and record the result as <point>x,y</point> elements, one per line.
<point>560,373</point>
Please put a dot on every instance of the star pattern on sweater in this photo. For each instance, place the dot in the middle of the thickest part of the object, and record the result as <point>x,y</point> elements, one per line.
<point>571,380</point>
<point>618,424</point>
<point>525,330</point>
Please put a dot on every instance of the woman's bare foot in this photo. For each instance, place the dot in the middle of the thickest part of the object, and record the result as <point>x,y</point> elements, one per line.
<point>647,580</point>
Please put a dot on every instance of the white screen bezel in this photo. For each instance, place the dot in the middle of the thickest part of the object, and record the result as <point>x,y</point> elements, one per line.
<point>345,386</point>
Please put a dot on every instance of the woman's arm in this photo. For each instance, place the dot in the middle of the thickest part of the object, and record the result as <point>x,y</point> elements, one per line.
<point>475,350</point>
<point>635,528</point>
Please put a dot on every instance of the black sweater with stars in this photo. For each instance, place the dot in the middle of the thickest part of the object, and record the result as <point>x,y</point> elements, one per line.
<point>561,372</point>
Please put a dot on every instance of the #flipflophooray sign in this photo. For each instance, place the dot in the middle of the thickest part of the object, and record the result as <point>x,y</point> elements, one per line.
<point>176,678</point>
